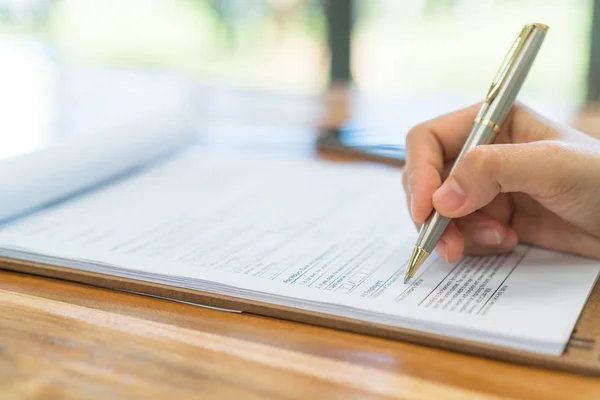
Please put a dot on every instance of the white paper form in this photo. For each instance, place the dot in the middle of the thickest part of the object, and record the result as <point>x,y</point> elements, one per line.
<point>32,180</point>
<point>324,237</point>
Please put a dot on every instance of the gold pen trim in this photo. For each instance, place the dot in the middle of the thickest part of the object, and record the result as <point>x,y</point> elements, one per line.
<point>541,27</point>
<point>417,258</point>
<point>489,123</point>
<point>510,59</point>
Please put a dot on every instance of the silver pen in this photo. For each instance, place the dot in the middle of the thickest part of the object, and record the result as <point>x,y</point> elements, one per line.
<point>498,102</point>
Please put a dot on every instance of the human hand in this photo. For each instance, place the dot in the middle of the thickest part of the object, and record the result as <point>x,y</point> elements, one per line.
<point>539,183</point>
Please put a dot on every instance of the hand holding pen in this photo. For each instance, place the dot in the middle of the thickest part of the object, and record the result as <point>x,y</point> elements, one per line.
<point>538,184</point>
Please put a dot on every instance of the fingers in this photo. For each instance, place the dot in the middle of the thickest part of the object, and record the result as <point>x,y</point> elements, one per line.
<point>500,209</point>
<point>483,234</point>
<point>526,160</point>
<point>476,234</point>
<point>481,175</point>
<point>419,185</point>
<point>524,125</point>
<point>428,146</point>
<point>433,143</point>
<point>539,169</point>
<point>451,245</point>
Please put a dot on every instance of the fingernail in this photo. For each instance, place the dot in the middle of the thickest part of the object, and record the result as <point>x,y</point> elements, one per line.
<point>510,241</point>
<point>441,249</point>
<point>487,237</point>
<point>412,206</point>
<point>450,195</point>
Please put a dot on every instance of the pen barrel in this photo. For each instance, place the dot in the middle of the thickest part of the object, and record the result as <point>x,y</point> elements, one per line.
<point>487,125</point>
<point>493,114</point>
<point>431,232</point>
<point>433,229</point>
<point>481,133</point>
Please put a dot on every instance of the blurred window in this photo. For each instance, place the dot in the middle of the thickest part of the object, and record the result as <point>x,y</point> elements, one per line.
<point>399,47</point>
<point>267,44</point>
<point>437,47</point>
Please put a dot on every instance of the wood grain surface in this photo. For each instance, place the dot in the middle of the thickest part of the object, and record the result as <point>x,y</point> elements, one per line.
<point>61,340</point>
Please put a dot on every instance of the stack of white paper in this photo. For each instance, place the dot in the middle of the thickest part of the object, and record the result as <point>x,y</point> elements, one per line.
<point>316,236</point>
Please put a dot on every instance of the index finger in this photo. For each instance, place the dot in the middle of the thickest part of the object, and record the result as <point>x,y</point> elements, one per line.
<point>428,146</point>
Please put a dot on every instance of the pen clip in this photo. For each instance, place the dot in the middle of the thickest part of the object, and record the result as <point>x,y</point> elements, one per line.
<point>510,59</point>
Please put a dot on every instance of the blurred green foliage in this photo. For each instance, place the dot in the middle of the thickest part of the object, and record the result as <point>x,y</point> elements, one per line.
<point>399,46</point>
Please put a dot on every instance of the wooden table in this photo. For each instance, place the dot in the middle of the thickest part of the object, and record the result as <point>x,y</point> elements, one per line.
<point>61,340</point>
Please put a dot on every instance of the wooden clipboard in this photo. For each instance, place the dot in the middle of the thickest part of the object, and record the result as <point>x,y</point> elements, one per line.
<point>582,354</point>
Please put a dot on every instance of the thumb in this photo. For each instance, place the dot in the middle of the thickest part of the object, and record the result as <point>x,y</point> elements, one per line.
<point>539,169</point>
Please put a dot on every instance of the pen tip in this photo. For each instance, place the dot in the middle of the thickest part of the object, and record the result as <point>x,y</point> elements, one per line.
<point>417,259</point>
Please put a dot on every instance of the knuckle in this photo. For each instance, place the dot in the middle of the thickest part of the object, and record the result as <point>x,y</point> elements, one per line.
<point>413,132</point>
<point>529,126</point>
<point>405,177</point>
<point>484,160</point>
<point>518,108</point>
<point>550,148</point>
<point>552,155</point>
<point>556,157</point>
